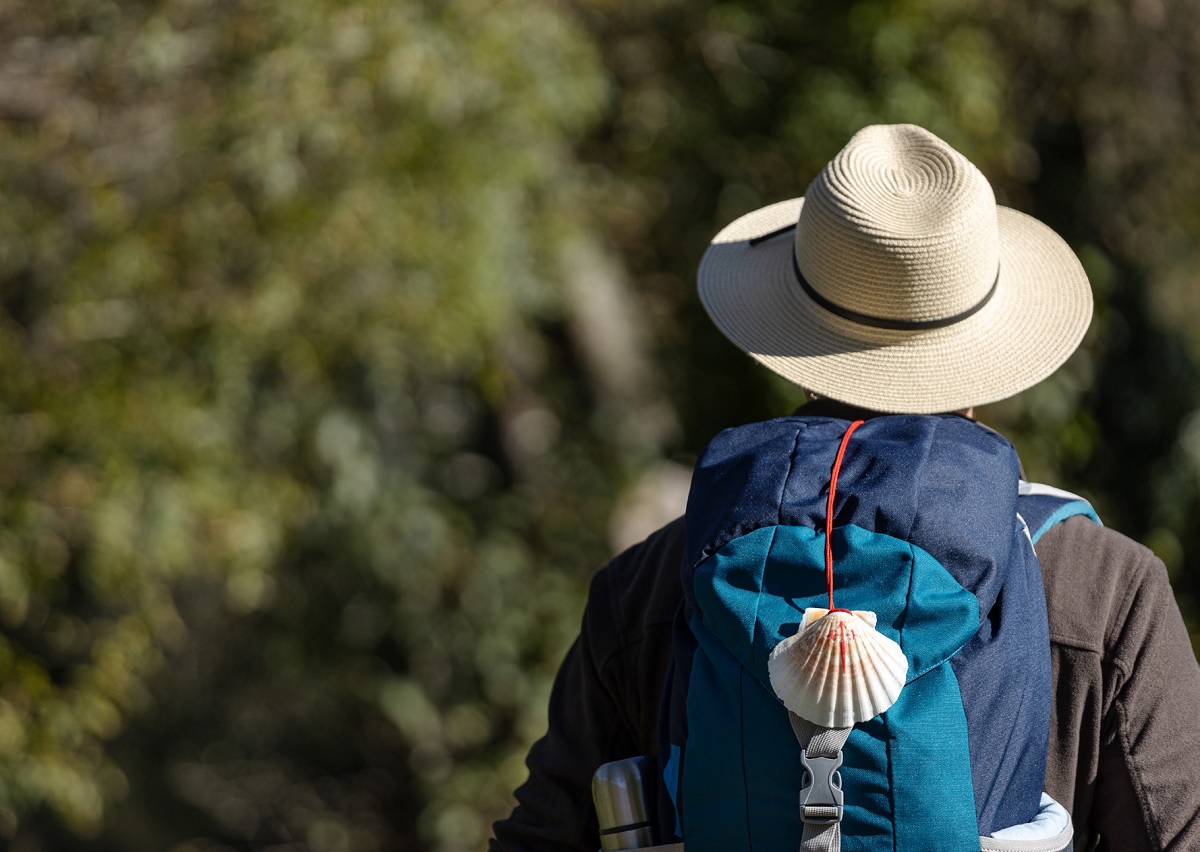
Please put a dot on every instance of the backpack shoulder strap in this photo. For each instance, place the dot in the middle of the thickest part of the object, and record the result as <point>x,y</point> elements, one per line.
<point>1042,506</point>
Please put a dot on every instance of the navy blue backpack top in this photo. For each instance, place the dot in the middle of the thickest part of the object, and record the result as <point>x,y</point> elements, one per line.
<point>933,531</point>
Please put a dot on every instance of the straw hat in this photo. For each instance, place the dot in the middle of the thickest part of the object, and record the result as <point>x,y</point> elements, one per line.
<point>897,283</point>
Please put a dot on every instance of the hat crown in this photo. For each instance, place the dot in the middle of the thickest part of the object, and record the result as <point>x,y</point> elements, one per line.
<point>899,226</point>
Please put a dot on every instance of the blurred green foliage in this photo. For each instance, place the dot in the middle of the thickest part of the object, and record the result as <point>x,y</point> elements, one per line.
<point>273,275</point>
<point>340,342</point>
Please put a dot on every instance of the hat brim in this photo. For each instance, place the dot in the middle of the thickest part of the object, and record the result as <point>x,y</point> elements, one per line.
<point>1034,321</point>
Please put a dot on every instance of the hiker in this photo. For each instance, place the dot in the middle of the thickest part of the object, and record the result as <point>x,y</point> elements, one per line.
<point>897,286</point>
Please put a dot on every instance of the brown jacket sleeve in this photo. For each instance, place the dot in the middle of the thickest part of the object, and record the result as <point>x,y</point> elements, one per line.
<point>1125,733</point>
<point>604,705</point>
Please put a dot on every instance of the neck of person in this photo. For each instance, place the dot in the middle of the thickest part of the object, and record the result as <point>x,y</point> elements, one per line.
<point>820,406</point>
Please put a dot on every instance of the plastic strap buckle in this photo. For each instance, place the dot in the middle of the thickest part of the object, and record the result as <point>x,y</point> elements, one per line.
<point>821,793</point>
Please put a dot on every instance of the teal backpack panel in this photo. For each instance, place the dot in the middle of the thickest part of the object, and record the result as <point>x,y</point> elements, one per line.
<point>930,767</point>
<point>741,760</point>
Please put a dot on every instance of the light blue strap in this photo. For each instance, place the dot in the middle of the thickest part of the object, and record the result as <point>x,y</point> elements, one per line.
<point>1043,506</point>
<point>1050,831</point>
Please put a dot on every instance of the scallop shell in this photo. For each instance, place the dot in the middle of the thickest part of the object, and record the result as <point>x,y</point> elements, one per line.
<point>838,669</point>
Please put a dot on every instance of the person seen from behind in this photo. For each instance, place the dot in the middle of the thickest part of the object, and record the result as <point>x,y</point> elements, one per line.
<point>895,287</point>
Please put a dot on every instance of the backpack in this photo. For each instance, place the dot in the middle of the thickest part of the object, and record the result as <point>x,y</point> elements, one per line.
<point>932,532</point>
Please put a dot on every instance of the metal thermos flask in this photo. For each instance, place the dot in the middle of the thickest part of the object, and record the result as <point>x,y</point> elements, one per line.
<point>619,790</point>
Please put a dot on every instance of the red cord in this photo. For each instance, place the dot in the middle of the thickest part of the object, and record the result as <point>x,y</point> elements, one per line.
<point>833,477</point>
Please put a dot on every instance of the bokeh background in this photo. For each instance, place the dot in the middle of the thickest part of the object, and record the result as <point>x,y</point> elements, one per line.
<point>342,340</point>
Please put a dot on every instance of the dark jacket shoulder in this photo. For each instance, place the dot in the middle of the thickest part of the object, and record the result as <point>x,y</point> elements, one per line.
<point>631,609</point>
